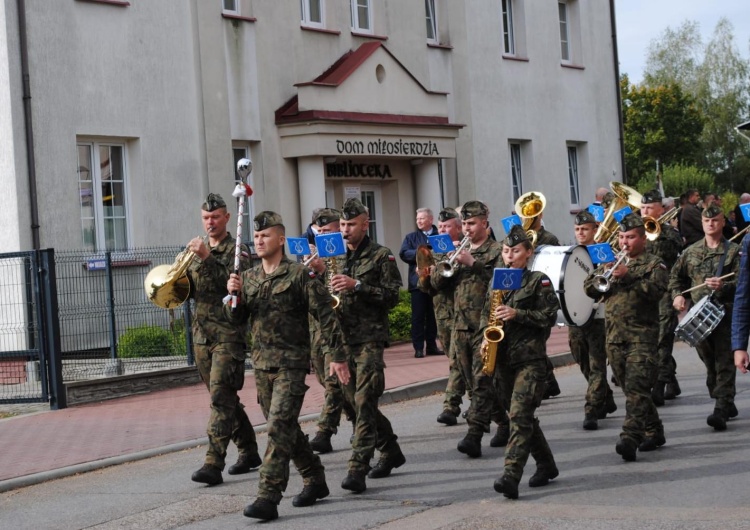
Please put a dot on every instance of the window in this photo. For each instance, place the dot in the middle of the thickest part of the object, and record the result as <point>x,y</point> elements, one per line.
<point>509,45</point>
<point>371,198</point>
<point>101,187</point>
<point>429,7</point>
<point>564,32</point>
<point>312,12</point>
<point>361,16</point>
<point>573,174</point>
<point>231,7</point>
<point>516,178</point>
<point>247,216</point>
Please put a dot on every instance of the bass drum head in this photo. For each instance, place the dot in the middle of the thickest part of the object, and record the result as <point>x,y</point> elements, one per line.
<point>567,268</point>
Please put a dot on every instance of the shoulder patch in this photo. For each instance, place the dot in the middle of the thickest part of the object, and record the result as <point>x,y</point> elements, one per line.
<point>662,266</point>
<point>311,274</point>
<point>391,257</point>
<point>245,254</point>
<point>546,282</point>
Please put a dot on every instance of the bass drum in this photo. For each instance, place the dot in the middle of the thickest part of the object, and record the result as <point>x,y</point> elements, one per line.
<point>567,268</point>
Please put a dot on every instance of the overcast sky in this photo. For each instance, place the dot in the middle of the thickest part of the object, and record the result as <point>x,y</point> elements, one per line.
<point>641,21</point>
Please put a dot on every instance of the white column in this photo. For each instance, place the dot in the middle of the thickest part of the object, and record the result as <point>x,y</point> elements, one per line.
<point>312,186</point>
<point>427,184</point>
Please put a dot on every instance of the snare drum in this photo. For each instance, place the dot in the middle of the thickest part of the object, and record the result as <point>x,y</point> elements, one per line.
<point>700,321</point>
<point>567,268</point>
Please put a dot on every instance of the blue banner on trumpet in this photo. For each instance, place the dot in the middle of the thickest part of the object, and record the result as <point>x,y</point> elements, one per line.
<point>441,244</point>
<point>507,279</point>
<point>298,246</point>
<point>619,214</point>
<point>601,253</point>
<point>329,245</point>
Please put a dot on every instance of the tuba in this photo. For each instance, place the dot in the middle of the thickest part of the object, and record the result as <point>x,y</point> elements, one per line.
<point>623,196</point>
<point>168,285</point>
<point>493,334</point>
<point>528,207</point>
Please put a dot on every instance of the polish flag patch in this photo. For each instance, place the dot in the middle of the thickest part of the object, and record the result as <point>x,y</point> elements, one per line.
<point>546,283</point>
<point>391,257</point>
<point>311,273</point>
<point>244,254</point>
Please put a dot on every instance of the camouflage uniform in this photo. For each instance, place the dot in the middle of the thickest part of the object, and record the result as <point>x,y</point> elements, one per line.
<point>587,345</point>
<point>470,286</point>
<point>364,321</point>
<point>278,305</point>
<point>697,263</point>
<point>220,353</point>
<point>631,322</point>
<point>522,368</point>
<point>545,237</point>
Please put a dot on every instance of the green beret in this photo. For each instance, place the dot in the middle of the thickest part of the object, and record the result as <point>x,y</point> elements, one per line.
<point>214,201</point>
<point>712,211</point>
<point>651,197</point>
<point>630,221</point>
<point>325,216</point>
<point>516,235</point>
<point>266,220</point>
<point>447,213</point>
<point>474,209</point>
<point>352,208</point>
<point>584,217</point>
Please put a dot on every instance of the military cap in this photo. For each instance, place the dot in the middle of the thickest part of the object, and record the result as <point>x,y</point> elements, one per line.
<point>473,209</point>
<point>447,213</point>
<point>326,216</point>
<point>651,197</point>
<point>584,217</point>
<point>352,208</point>
<point>712,211</point>
<point>267,219</point>
<point>214,201</point>
<point>516,235</point>
<point>630,221</point>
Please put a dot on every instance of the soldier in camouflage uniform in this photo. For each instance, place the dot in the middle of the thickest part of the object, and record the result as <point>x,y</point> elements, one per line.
<point>219,346</point>
<point>326,221</point>
<point>448,223</point>
<point>368,288</point>
<point>469,283</point>
<point>632,325</point>
<point>528,315</point>
<point>277,296</point>
<point>706,261</point>
<point>587,345</point>
<point>667,246</point>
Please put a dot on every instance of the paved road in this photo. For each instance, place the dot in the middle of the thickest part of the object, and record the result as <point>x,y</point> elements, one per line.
<point>698,480</point>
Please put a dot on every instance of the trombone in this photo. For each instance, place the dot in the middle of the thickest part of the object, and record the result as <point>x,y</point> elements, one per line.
<point>448,268</point>
<point>602,282</point>
<point>653,226</point>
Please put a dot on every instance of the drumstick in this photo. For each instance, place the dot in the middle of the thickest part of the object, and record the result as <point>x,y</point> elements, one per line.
<point>704,283</point>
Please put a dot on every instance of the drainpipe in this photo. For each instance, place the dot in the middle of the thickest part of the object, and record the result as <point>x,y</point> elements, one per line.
<point>21,4</point>
<point>617,90</point>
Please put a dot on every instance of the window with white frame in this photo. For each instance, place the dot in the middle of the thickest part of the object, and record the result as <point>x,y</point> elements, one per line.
<point>230,7</point>
<point>247,216</point>
<point>509,44</point>
<point>102,196</point>
<point>313,13</point>
<point>564,31</point>
<point>516,176</point>
<point>432,34</point>
<point>573,175</point>
<point>361,16</point>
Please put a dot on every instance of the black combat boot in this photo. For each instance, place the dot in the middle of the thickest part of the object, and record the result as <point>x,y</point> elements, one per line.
<point>657,394</point>
<point>626,449</point>
<point>245,463</point>
<point>718,420</point>
<point>732,412</point>
<point>672,389</point>
<point>590,422</point>
<point>355,481</point>
<point>544,473</point>
<point>262,509</point>
<point>208,474</point>
<point>386,464</point>
<point>471,445</point>
<point>447,418</point>
<point>501,436</point>
<point>508,486</point>
<point>652,443</point>
<point>418,354</point>
<point>553,388</point>
<point>310,494</point>
<point>321,443</point>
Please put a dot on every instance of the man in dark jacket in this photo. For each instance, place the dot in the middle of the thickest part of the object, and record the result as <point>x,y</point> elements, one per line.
<point>423,325</point>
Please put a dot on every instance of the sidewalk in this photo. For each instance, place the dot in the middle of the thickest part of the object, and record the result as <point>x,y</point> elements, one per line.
<point>52,444</point>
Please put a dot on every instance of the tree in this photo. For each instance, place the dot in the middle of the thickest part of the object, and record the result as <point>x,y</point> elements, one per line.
<point>661,124</point>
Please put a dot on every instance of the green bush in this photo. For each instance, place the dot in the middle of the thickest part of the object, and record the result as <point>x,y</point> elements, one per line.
<point>149,341</point>
<point>677,179</point>
<point>399,318</point>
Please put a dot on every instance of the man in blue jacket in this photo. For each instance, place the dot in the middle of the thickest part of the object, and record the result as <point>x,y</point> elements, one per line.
<point>741,313</point>
<point>423,325</point>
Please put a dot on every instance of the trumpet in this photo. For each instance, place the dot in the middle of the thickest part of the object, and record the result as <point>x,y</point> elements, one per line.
<point>168,286</point>
<point>602,281</point>
<point>313,255</point>
<point>448,268</point>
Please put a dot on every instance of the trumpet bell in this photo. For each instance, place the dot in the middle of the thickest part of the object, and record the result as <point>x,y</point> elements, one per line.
<point>164,292</point>
<point>447,269</point>
<point>652,227</point>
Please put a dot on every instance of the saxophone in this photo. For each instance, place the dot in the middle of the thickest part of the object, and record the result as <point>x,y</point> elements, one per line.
<point>493,334</point>
<point>331,269</point>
